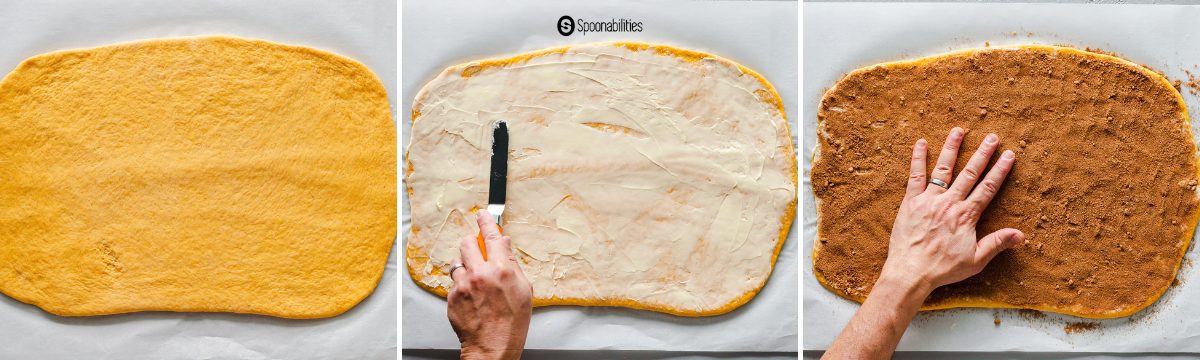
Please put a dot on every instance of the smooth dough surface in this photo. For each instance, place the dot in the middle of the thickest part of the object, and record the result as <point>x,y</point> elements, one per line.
<point>642,176</point>
<point>1104,183</point>
<point>211,174</point>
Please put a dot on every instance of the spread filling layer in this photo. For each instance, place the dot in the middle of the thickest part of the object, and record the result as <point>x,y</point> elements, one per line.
<point>1104,185</point>
<point>639,176</point>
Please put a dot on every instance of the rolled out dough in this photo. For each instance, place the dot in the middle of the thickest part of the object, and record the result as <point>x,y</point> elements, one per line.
<point>195,174</point>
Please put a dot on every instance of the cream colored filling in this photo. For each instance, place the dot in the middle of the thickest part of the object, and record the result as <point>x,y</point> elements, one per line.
<point>632,175</point>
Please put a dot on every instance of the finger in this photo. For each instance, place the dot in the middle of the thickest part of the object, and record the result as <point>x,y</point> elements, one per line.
<point>994,243</point>
<point>500,250</point>
<point>512,259</point>
<point>490,229</point>
<point>454,273</point>
<point>990,185</point>
<point>468,249</point>
<point>975,166</point>
<point>944,168</point>
<point>916,170</point>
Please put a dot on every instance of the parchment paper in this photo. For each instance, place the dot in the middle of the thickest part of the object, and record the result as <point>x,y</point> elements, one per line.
<point>759,35</point>
<point>363,30</point>
<point>840,37</point>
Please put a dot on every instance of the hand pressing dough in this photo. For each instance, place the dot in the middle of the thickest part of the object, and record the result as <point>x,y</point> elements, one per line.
<point>642,176</point>
<point>1104,185</point>
<point>209,174</point>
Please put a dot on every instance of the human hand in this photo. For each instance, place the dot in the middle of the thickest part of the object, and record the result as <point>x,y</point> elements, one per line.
<point>933,241</point>
<point>490,303</point>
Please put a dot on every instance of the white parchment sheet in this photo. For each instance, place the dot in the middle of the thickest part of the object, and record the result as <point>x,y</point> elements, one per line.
<point>363,30</point>
<point>759,35</point>
<point>840,37</point>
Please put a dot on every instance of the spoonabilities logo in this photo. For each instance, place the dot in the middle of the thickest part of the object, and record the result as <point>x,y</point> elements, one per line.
<point>566,25</point>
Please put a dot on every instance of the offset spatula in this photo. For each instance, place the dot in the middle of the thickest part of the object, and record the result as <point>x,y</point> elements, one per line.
<point>498,179</point>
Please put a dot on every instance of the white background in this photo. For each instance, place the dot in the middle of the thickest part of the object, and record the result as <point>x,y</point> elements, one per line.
<point>759,35</point>
<point>363,30</point>
<point>840,37</point>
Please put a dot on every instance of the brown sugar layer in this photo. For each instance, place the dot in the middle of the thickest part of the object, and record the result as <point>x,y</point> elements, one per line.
<point>1104,185</point>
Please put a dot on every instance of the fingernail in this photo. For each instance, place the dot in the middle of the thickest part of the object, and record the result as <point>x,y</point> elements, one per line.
<point>957,131</point>
<point>1008,154</point>
<point>921,143</point>
<point>990,139</point>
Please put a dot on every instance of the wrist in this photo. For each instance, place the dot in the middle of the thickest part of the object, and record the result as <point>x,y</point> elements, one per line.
<point>908,286</point>
<point>470,353</point>
<point>476,350</point>
<point>484,351</point>
<point>474,353</point>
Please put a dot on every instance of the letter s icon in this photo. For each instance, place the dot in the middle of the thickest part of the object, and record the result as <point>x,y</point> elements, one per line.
<point>566,25</point>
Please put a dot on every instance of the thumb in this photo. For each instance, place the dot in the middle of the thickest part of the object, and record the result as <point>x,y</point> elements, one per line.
<point>992,244</point>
